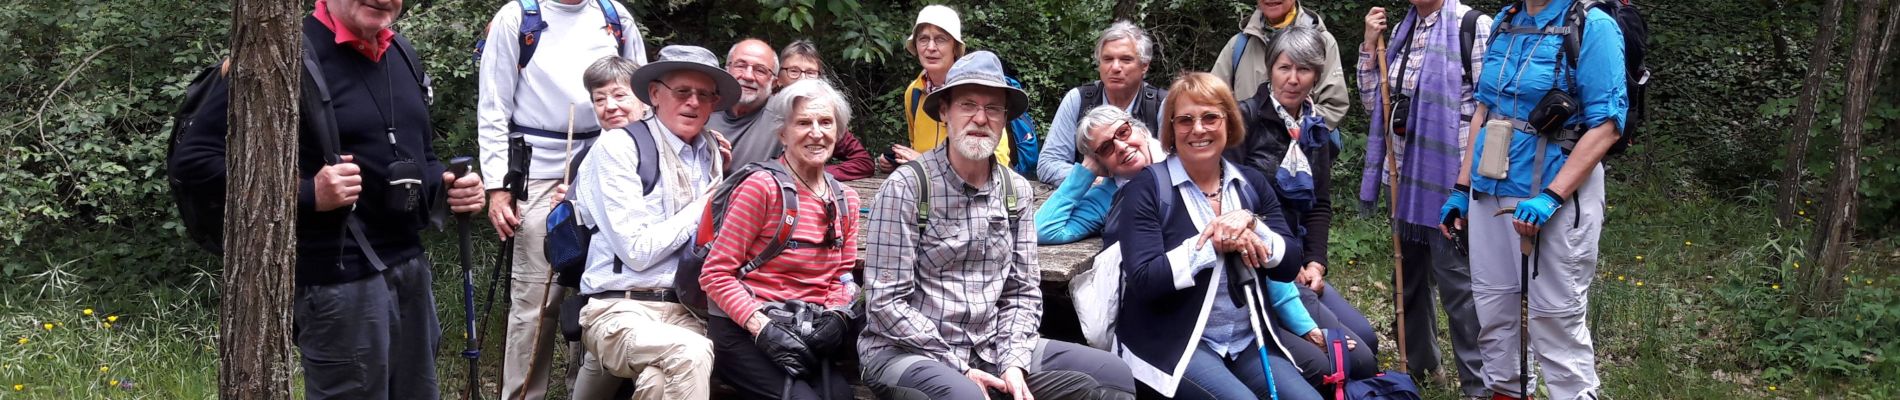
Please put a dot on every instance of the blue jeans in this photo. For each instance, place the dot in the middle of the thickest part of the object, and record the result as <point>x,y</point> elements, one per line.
<point>1209,376</point>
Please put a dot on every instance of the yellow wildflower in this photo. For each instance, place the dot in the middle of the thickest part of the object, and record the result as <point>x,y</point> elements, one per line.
<point>19,387</point>
<point>103,368</point>
<point>1639,258</point>
<point>1776,286</point>
<point>114,382</point>
<point>1688,243</point>
<point>48,326</point>
<point>23,340</point>
<point>1870,281</point>
<point>1801,212</point>
<point>1771,388</point>
<point>1619,277</point>
<point>112,318</point>
<point>1639,283</point>
<point>88,312</point>
<point>108,325</point>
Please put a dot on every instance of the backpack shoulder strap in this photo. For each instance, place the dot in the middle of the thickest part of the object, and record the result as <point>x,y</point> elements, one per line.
<point>416,67</point>
<point>923,193</point>
<point>619,30</point>
<point>1240,48</point>
<point>649,164</point>
<point>788,213</point>
<point>321,119</point>
<point>531,27</point>
<point>1467,33</point>
<point>1164,190</point>
<point>1009,200</point>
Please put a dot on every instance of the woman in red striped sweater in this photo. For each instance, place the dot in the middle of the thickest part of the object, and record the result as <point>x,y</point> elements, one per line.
<point>777,326</point>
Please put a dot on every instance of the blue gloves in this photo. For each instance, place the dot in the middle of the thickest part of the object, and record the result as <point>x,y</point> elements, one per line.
<point>1456,206</point>
<point>1539,209</point>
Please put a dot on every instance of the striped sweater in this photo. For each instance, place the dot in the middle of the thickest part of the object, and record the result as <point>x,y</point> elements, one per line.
<point>811,273</point>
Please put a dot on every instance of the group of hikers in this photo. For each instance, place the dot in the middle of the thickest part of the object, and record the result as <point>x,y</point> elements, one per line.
<point>1229,168</point>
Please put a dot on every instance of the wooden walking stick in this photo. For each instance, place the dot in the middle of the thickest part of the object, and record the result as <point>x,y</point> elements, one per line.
<point>1392,197</point>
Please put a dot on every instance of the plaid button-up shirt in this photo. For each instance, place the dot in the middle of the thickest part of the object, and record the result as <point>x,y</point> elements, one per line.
<point>966,287</point>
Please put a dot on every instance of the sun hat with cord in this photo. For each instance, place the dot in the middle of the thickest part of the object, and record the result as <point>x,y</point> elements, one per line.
<point>687,58</point>
<point>937,15</point>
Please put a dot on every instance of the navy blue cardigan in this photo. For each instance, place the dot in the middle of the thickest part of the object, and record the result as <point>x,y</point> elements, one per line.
<point>1155,318</point>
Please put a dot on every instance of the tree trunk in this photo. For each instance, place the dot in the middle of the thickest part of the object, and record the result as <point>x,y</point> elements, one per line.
<point>254,351</point>
<point>1832,239</point>
<point>1820,59</point>
<point>1128,10</point>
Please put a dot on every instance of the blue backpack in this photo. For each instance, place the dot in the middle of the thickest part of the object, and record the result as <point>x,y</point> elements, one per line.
<point>532,25</point>
<point>1388,385</point>
<point>1024,146</point>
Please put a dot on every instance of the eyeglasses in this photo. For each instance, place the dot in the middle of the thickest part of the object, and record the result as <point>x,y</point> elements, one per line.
<point>682,94</point>
<point>740,66</point>
<point>934,40</point>
<point>970,108</point>
<point>796,74</point>
<point>1107,148</point>
<point>1209,119</point>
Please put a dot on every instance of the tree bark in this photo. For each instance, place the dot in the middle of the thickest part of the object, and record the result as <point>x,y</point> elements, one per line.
<point>254,351</point>
<point>1820,59</point>
<point>1832,239</point>
<point>1128,10</point>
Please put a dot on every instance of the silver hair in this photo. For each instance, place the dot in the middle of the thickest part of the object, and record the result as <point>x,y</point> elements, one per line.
<point>1122,29</point>
<point>802,48</point>
<point>1303,45</point>
<point>778,110</point>
<point>768,50</point>
<point>1104,115</point>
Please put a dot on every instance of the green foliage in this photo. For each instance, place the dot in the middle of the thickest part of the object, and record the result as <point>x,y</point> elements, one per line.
<point>1852,341</point>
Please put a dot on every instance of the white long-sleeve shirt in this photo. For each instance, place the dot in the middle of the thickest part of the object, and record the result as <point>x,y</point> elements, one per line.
<point>538,95</point>
<point>646,232</point>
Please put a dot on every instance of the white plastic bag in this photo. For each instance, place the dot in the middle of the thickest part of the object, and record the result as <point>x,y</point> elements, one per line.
<point>1097,293</point>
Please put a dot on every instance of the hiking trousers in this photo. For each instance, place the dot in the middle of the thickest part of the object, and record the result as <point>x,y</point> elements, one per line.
<point>372,338</point>
<point>1436,266</point>
<point>1058,371</point>
<point>525,301</point>
<point>660,345</point>
<point>1559,292</point>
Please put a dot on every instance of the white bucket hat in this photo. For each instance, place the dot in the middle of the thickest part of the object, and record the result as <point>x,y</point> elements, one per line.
<point>939,15</point>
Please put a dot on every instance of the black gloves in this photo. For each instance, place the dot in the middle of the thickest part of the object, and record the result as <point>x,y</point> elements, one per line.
<point>783,339</point>
<point>828,331</point>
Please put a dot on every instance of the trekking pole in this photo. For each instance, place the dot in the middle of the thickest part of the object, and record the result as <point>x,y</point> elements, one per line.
<point>1258,319</point>
<point>1392,199</point>
<point>514,182</point>
<point>465,238</point>
<point>1527,250</point>
<point>547,288</point>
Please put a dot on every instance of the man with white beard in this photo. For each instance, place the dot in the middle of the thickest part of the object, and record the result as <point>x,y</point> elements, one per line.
<point>755,64</point>
<point>954,306</point>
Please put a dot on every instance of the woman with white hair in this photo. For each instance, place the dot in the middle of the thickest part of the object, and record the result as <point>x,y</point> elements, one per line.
<point>758,354</point>
<point>1115,145</point>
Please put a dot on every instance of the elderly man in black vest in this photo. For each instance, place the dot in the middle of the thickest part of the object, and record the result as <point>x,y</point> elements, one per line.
<point>1122,54</point>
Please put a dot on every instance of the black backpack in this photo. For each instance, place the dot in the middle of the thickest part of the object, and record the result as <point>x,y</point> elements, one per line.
<point>1635,50</point>
<point>686,278</point>
<point>201,204</point>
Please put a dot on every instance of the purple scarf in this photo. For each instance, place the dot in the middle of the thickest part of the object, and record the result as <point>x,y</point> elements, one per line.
<point>1428,163</point>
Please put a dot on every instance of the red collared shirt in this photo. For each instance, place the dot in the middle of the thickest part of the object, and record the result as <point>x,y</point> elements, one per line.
<point>373,50</point>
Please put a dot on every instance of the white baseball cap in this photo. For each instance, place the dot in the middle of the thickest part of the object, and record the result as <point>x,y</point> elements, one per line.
<point>941,16</point>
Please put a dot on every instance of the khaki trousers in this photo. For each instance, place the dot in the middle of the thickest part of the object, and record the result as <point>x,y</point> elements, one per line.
<point>661,345</point>
<point>525,299</point>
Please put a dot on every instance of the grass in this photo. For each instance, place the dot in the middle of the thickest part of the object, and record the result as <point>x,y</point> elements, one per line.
<point>1663,312</point>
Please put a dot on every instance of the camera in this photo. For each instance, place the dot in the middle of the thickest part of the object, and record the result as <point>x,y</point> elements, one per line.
<point>1553,111</point>
<point>405,186</point>
<point>1401,118</point>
